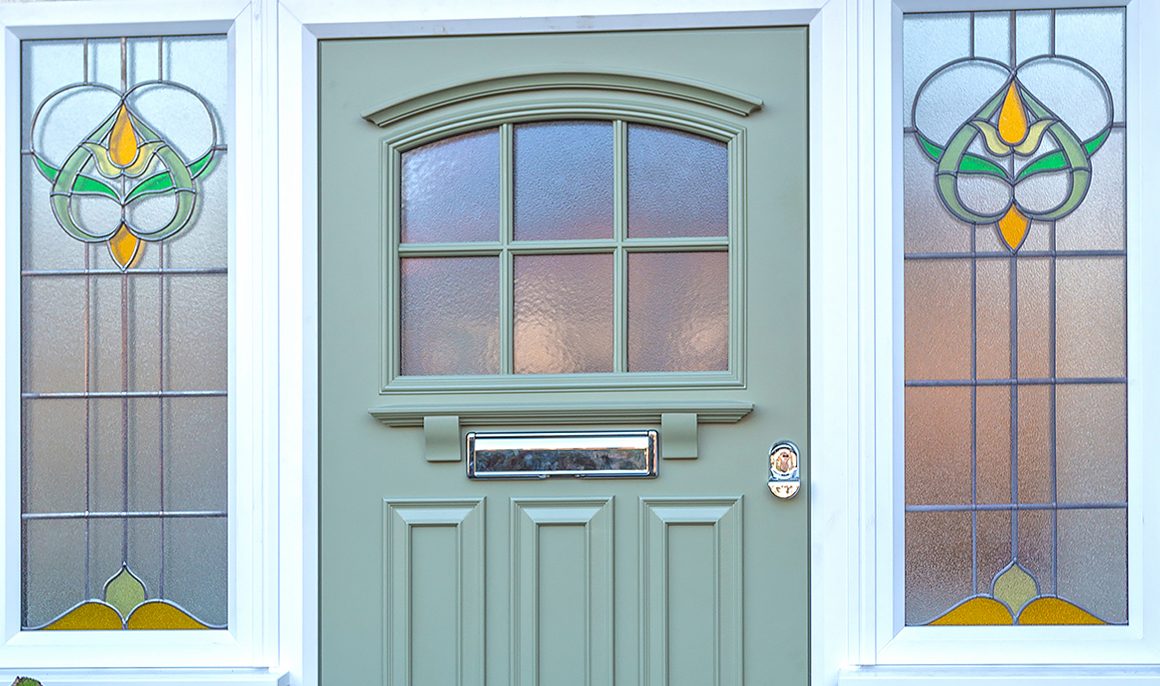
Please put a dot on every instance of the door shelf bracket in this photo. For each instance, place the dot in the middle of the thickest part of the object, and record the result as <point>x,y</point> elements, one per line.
<point>441,422</point>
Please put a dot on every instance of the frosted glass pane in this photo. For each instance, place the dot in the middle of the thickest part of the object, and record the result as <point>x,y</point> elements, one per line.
<point>678,312</point>
<point>1032,34</point>
<point>993,35</point>
<point>993,318</point>
<point>1035,541</point>
<point>1034,318</point>
<point>563,180</point>
<point>993,452</point>
<point>928,42</point>
<point>54,568</point>
<point>54,449</point>
<point>1092,443</point>
<point>938,319</point>
<point>196,454</point>
<point>927,226</point>
<point>563,314</point>
<point>1090,317</point>
<point>45,66</point>
<point>195,566</point>
<point>450,190</point>
<point>450,315</point>
<point>994,547</point>
<point>1093,561</point>
<point>678,184</point>
<point>938,563</point>
<point>195,332</point>
<point>938,446</point>
<point>53,334</point>
<point>199,62</point>
<point>1034,444</point>
<point>1096,37</point>
<point>1098,223</point>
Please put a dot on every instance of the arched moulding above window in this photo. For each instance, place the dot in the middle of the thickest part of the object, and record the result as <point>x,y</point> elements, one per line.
<point>634,82</point>
<point>538,268</point>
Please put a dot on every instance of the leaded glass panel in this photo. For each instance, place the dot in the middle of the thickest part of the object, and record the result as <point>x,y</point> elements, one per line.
<point>1015,344</point>
<point>124,333</point>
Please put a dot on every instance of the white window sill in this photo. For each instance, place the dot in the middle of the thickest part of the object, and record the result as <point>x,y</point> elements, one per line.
<point>141,677</point>
<point>1000,675</point>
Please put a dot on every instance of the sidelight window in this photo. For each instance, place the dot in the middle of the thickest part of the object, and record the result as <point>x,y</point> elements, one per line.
<point>1015,272</point>
<point>124,334</point>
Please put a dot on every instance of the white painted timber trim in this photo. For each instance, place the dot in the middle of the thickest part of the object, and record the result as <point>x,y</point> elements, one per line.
<point>246,651</point>
<point>169,677</point>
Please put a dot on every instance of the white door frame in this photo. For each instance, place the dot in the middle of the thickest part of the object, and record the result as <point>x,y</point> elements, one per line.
<point>854,191</point>
<point>838,165</point>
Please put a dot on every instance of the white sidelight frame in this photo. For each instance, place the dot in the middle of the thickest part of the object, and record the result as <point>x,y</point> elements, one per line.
<point>855,323</point>
<point>880,649</point>
<point>244,652</point>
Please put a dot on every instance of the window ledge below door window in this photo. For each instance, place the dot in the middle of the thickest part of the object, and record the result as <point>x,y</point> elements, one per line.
<point>991,675</point>
<point>166,677</point>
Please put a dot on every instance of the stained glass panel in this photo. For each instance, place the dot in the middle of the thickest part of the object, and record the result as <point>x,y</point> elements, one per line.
<point>1015,278</point>
<point>124,333</point>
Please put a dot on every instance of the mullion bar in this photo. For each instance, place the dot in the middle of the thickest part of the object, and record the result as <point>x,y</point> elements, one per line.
<point>142,271</point>
<point>1017,382</point>
<point>73,395</point>
<point>560,247</point>
<point>161,249</point>
<point>620,236</point>
<point>974,390</point>
<point>1001,507</point>
<point>506,237</point>
<point>1013,281</point>
<point>172,514</point>
<point>1004,255</point>
<point>1053,425</point>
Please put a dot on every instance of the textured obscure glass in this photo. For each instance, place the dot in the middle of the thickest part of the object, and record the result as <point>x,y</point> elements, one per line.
<point>451,190</point>
<point>993,445</point>
<point>527,297</point>
<point>563,180</point>
<point>938,319</point>
<point>938,563</point>
<point>124,341</point>
<point>1092,440</point>
<point>938,446</point>
<point>1015,317</point>
<point>450,315</point>
<point>678,311</point>
<point>678,184</point>
<point>563,314</point>
<point>1091,325</point>
<point>992,318</point>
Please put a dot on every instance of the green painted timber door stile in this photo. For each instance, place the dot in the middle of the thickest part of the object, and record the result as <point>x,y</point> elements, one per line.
<point>696,577</point>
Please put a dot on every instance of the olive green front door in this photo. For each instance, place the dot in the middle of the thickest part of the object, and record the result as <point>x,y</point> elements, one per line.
<point>563,236</point>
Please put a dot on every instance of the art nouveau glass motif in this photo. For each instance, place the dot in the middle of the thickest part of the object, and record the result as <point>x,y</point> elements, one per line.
<point>123,259</point>
<point>1014,279</point>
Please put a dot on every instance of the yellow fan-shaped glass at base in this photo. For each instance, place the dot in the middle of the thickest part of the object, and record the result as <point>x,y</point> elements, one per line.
<point>976,612</point>
<point>157,614</point>
<point>1055,611</point>
<point>91,616</point>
